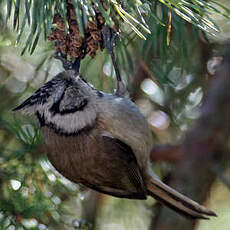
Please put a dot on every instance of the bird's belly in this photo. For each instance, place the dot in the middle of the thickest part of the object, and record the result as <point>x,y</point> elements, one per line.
<point>79,158</point>
<point>67,154</point>
<point>82,159</point>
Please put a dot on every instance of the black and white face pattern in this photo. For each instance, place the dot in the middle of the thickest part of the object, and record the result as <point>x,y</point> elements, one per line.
<point>65,104</point>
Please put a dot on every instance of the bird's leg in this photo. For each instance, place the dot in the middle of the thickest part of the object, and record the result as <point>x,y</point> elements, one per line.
<point>65,63</point>
<point>76,64</point>
<point>68,65</point>
<point>109,37</point>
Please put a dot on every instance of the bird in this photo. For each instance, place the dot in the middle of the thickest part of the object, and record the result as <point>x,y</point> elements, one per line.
<point>102,141</point>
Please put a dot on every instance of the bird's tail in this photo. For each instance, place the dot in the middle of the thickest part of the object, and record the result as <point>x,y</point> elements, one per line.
<point>177,201</point>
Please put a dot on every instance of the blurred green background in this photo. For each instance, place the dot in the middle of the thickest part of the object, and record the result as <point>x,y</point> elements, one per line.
<point>167,82</point>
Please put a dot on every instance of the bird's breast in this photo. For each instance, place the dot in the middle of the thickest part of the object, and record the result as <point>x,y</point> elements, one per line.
<point>69,154</point>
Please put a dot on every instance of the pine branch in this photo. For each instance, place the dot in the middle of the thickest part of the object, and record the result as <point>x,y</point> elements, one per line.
<point>37,16</point>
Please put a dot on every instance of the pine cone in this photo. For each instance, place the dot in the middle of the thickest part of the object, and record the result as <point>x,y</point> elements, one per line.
<point>71,42</point>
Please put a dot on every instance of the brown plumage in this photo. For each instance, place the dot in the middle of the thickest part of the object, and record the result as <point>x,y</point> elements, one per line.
<point>101,141</point>
<point>97,159</point>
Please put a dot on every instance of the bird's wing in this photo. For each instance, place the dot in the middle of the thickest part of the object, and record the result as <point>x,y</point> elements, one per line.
<point>121,171</point>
